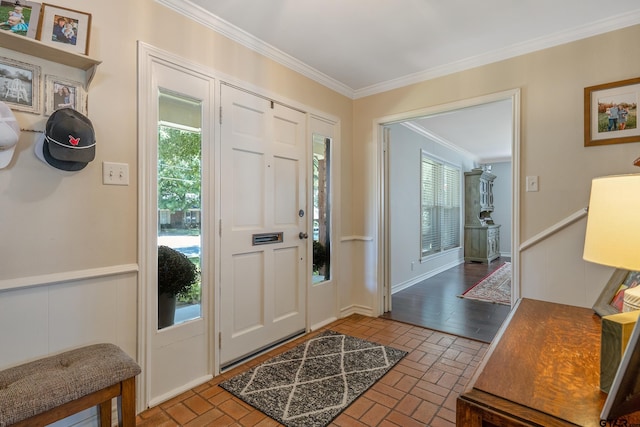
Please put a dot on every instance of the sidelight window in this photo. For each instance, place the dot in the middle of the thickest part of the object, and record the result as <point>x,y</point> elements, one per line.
<point>179,195</point>
<point>321,208</point>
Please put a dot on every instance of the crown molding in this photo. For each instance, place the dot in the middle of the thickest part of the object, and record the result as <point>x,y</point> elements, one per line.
<point>440,140</point>
<point>219,25</point>
<point>202,16</point>
<point>563,37</point>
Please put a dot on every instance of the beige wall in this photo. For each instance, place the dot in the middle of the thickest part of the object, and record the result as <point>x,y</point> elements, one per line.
<point>551,83</point>
<point>69,244</point>
<point>62,221</point>
<point>55,225</point>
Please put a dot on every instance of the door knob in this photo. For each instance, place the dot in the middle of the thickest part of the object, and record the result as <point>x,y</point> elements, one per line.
<point>302,235</point>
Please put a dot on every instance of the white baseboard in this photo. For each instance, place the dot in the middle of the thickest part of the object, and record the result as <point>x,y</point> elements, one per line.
<point>404,285</point>
<point>322,324</point>
<point>176,391</point>
<point>356,309</point>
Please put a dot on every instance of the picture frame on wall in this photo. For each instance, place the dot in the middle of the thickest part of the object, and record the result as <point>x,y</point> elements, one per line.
<point>611,299</point>
<point>20,85</point>
<point>64,28</point>
<point>63,93</point>
<point>610,113</point>
<point>20,17</point>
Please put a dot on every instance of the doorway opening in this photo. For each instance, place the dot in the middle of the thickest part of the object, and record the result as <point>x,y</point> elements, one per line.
<point>414,266</point>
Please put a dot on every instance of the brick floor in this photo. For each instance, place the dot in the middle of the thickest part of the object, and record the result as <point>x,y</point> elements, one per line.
<point>420,390</point>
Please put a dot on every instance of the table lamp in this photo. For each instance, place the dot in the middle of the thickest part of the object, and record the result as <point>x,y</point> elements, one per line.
<point>613,223</point>
<point>612,238</point>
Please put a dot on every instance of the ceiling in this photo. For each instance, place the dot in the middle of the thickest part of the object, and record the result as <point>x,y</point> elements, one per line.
<point>362,47</point>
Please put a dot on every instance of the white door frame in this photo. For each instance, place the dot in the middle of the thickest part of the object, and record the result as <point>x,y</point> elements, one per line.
<point>147,129</point>
<point>148,57</point>
<point>382,301</point>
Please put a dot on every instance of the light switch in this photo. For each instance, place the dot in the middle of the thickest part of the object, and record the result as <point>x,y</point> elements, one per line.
<point>532,183</point>
<point>115,173</point>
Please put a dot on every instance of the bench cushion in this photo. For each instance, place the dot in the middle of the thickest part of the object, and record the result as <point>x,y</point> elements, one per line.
<point>36,387</point>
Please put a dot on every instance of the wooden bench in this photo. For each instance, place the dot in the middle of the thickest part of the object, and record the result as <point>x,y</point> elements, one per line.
<point>50,389</point>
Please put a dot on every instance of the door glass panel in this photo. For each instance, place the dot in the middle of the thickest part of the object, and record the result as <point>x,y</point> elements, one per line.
<point>321,208</point>
<point>179,201</point>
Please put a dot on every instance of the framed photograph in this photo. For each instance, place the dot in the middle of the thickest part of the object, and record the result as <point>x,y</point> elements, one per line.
<point>64,28</point>
<point>612,297</point>
<point>62,93</point>
<point>611,112</point>
<point>20,85</point>
<point>20,17</point>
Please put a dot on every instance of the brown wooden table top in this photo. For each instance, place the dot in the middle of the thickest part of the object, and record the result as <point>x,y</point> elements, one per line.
<point>548,359</point>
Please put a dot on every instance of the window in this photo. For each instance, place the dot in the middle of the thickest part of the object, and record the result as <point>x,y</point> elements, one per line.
<point>439,206</point>
<point>179,194</point>
<point>321,208</point>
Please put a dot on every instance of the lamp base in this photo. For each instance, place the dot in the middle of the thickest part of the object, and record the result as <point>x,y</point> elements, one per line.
<point>616,331</point>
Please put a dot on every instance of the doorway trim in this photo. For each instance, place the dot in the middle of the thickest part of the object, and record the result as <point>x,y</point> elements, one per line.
<point>148,54</point>
<point>382,301</point>
<point>148,58</point>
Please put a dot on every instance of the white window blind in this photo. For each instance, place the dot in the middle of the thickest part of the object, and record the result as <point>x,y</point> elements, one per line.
<point>440,206</point>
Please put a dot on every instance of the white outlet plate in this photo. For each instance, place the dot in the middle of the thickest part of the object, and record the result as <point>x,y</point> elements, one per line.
<point>115,173</point>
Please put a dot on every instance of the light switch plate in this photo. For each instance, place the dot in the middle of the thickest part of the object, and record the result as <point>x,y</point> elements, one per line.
<point>115,173</point>
<point>532,183</point>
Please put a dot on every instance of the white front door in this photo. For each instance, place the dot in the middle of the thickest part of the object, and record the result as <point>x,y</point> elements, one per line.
<point>263,269</point>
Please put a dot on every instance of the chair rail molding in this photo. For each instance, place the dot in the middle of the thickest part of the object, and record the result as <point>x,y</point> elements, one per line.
<point>544,234</point>
<point>66,276</point>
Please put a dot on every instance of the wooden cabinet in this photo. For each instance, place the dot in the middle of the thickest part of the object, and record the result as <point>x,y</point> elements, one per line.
<point>542,369</point>
<point>481,243</point>
<point>481,235</point>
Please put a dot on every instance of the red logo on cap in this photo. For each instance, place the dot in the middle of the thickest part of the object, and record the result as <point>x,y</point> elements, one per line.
<point>74,141</point>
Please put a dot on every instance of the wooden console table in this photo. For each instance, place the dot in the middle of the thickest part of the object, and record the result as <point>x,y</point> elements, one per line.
<point>542,369</point>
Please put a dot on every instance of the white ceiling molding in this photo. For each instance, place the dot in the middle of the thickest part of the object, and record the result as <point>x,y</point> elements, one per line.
<point>570,35</point>
<point>202,16</point>
<point>495,160</point>
<point>439,140</point>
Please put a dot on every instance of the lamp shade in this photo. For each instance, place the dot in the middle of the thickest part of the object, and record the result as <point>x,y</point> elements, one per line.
<point>613,222</point>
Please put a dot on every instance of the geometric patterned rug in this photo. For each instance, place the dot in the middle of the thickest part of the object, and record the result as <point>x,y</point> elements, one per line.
<point>496,287</point>
<point>309,385</point>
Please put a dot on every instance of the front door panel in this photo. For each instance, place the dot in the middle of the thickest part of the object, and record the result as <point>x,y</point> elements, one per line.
<point>263,190</point>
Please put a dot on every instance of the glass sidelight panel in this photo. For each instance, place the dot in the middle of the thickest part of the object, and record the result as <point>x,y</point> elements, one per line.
<point>179,209</point>
<point>321,208</point>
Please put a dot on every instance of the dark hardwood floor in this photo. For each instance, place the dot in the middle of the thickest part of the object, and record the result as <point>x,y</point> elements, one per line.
<point>434,303</point>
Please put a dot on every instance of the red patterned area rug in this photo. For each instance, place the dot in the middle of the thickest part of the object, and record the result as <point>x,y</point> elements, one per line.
<point>496,287</point>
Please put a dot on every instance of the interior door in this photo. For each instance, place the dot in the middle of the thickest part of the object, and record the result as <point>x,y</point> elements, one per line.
<point>263,224</point>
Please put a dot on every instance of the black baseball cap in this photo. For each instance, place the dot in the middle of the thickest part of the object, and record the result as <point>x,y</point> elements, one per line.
<point>69,140</point>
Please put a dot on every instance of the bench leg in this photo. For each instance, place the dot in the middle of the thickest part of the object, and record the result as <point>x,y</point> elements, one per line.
<point>105,413</point>
<point>127,403</point>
